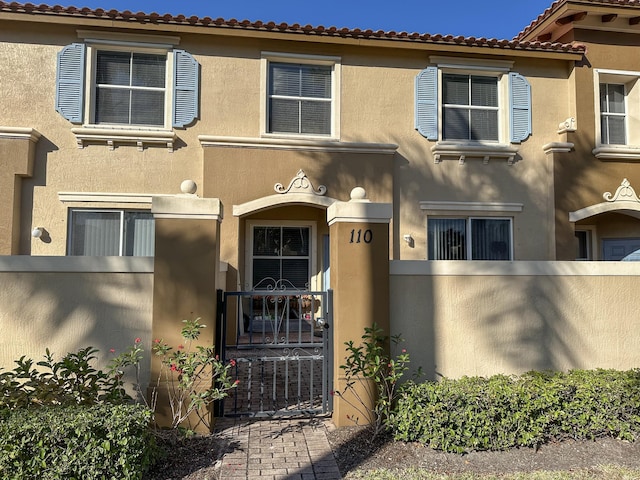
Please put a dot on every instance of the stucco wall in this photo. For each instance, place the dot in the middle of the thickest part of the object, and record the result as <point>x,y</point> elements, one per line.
<point>482,318</point>
<point>376,107</point>
<point>68,303</point>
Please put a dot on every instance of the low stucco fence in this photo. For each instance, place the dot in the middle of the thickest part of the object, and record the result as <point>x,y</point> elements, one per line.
<point>483,318</point>
<point>68,303</point>
<point>457,318</point>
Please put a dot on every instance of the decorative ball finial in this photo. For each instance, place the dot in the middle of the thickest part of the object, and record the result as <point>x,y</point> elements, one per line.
<point>358,193</point>
<point>188,187</point>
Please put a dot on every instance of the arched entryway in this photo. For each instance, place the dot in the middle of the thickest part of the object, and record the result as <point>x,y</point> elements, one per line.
<point>276,322</point>
<point>609,230</point>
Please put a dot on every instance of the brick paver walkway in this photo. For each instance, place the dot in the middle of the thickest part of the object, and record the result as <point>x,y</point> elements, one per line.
<point>279,449</point>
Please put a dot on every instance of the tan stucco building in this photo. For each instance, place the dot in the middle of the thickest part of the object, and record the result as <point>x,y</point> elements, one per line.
<point>483,149</point>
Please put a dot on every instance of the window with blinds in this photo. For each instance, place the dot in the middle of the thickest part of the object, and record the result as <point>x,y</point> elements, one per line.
<point>111,233</point>
<point>612,114</point>
<point>132,85</point>
<point>470,107</point>
<point>281,254</point>
<point>130,88</point>
<point>299,99</point>
<point>469,239</point>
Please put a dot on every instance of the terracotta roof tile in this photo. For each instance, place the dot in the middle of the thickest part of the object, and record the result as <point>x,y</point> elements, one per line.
<point>320,31</point>
<point>555,5</point>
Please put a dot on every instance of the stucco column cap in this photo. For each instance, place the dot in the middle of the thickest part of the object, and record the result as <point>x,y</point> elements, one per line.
<point>359,210</point>
<point>186,206</point>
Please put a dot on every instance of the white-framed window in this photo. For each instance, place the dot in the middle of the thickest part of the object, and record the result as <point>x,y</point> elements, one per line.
<point>585,243</point>
<point>281,252</point>
<point>470,107</point>
<point>111,232</point>
<point>471,102</point>
<point>300,95</point>
<point>469,238</point>
<point>130,88</point>
<point>613,116</point>
<point>136,82</point>
<point>617,109</point>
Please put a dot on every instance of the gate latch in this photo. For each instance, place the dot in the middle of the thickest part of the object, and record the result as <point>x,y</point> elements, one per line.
<point>320,322</point>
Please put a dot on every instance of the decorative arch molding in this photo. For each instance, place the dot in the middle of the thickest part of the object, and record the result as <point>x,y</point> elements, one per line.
<point>300,191</point>
<point>624,200</point>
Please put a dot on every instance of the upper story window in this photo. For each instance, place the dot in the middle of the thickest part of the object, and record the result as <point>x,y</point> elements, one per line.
<point>112,84</point>
<point>612,114</point>
<point>301,97</point>
<point>617,110</point>
<point>469,107</point>
<point>111,232</point>
<point>472,107</point>
<point>130,88</point>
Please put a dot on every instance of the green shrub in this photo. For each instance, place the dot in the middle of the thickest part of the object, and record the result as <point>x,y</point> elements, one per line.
<point>72,380</point>
<point>502,412</point>
<point>372,376</point>
<point>97,442</point>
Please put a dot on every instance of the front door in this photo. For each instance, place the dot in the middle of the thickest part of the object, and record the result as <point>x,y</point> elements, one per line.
<point>614,249</point>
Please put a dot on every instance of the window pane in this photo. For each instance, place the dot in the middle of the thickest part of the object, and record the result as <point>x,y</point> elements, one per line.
<point>296,271</point>
<point>613,130</point>
<point>295,241</point>
<point>112,106</point>
<point>484,91</point>
<point>113,68</point>
<point>456,124</point>
<point>265,268</point>
<point>615,94</point>
<point>315,81</point>
<point>148,70</point>
<point>147,107</point>
<point>284,116</point>
<point>446,238</point>
<point>490,239</point>
<point>139,234</point>
<point>456,89</point>
<point>316,117</point>
<point>95,233</point>
<point>484,125</point>
<point>284,79</point>
<point>266,241</point>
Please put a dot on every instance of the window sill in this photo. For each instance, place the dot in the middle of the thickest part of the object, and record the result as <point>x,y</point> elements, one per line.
<point>300,136</point>
<point>115,136</point>
<point>462,151</point>
<point>617,153</point>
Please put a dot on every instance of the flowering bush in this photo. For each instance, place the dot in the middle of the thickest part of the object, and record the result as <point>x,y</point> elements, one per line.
<point>372,377</point>
<point>195,377</point>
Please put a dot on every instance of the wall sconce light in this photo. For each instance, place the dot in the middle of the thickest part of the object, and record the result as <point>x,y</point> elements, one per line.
<point>409,240</point>
<point>37,232</point>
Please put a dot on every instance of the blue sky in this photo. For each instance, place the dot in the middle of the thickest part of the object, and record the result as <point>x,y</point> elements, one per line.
<point>480,18</point>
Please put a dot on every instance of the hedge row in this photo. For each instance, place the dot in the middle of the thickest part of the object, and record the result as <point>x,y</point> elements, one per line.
<point>502,412</point>
<point>97,442</point>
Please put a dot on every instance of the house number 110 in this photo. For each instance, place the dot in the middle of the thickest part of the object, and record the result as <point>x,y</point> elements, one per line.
<point>358,236</point>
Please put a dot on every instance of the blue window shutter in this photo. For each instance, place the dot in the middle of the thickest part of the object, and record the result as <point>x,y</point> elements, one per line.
<point>427,103</point>
<point>185,88</point>
<point>70,82</point>
<point>520,107</point>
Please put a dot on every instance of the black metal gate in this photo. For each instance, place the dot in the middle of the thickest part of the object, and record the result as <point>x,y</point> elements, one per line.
<point>279,343</point>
